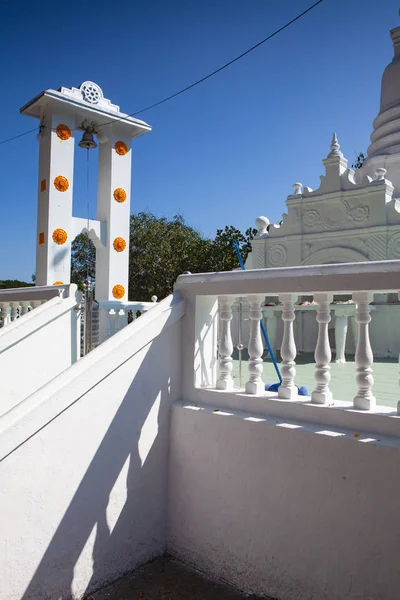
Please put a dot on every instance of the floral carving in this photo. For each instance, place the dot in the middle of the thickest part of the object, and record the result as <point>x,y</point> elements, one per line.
<point>121,148</point>
<point>118,291</point>
<point>311,218</point>
<point>119,244</point>
<point>276,255</point>
<point>120,195</point>
<point>63,131</point>
<point>359,214</point>
<point>60,236</point>
<point>61,183</point>
<point>58,283</point>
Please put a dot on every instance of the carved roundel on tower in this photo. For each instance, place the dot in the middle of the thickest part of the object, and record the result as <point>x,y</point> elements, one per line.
<point>277,256</point>
<point>91,92</point>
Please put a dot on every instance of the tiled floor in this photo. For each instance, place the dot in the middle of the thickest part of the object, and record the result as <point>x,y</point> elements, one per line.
<point>343,383</point>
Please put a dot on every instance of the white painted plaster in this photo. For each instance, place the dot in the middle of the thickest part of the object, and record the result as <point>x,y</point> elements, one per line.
<point>38,346</point>
<point>286,509</point>
<point>83,471</point>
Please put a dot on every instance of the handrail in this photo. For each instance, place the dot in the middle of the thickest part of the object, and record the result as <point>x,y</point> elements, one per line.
<point>376,276</point>
<point>40,292</point>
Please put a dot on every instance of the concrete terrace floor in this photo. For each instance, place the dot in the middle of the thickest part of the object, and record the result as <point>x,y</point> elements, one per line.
<point>343,383</point>
<point>166,579</point>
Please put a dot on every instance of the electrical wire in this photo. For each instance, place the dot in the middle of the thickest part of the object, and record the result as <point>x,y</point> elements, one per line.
<point>189,87</point>
<point>192,85</point>
<point>15,137</point>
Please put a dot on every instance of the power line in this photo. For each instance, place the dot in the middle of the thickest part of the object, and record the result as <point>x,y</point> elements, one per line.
<point>192,85</point>
<point>18,136</point>
<point>189,87</point>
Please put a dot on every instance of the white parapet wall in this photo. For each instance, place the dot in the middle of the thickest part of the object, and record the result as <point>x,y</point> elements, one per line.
<point>40,344</point>
<point>83,465</point>
<point>283,508</point>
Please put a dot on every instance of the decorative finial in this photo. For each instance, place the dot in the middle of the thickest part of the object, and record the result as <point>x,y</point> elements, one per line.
<point>297,189</point>
<point>335,147</point>
<point>380,174</point>
<point>262,224</point>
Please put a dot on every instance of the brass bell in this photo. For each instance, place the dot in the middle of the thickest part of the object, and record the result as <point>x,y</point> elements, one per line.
<point>87,141</point>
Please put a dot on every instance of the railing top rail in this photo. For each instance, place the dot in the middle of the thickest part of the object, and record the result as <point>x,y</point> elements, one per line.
<point>40,292</point>
<point>128,305</point>
<point>339,278</point>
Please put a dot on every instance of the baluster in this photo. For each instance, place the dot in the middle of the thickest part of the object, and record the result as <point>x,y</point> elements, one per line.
<point>103,324</point>
<point>322,355</point>
<point>364,400</point>
<point>288,389</point>
<point>25,304</point>
<point>255,384</point>
<point>6,313</point>
<point>225,379</point>
<point>36,303</point>
<point>112,319</point>
<point>14,310</point>
<point>122,318</point>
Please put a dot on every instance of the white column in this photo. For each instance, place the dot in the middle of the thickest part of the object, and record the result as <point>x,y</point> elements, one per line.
<point>364,400</point>
<point>341,322</point>
<point>322,355</point>
<point>288,389</point>
<point>225,365</point>
<point>113,208</point>
<point>255,384</point>
<point>55,191</point>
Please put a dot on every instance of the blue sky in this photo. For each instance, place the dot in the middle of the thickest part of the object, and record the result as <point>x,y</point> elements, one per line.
<point>222,153</point>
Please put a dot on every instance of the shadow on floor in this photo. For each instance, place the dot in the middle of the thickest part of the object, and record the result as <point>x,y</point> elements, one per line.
<point>166,579</point>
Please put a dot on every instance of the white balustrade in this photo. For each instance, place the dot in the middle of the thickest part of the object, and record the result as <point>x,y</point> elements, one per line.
<point>364,400</point>
<point>115,315</point>
<point>360,281</point>
<point>225,363</point>
<point>17,302</point>
<point>288,389</point>
<point>255,384</point>
<point>322,392</point>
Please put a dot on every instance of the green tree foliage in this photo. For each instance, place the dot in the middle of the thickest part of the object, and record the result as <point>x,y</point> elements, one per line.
<point>6,284</point>
<point>83,259</point>
<point>161,250</point>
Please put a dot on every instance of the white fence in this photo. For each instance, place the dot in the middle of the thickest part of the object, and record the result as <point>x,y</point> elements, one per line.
<point>211,296</point>
<point>16,302</point>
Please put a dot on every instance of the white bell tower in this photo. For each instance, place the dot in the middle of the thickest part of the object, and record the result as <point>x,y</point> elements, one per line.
<point>64,114</point>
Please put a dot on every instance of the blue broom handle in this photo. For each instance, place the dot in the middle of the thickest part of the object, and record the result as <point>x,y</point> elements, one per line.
<point>240,259</point>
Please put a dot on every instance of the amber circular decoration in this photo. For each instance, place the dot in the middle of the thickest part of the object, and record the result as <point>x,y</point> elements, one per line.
<point>119,244</point>
<point>118,291</point>
<point>63,131</point>
<point>120,195</point>
<point>58,283</point>
<point>61,183</point>
<point>60,236</point>
<point>121,148</point>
